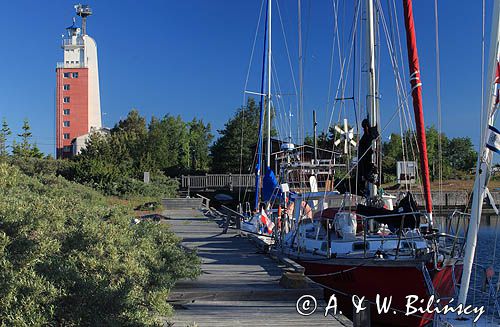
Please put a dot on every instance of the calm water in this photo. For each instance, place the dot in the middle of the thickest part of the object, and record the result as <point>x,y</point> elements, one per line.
<point>488,254</point>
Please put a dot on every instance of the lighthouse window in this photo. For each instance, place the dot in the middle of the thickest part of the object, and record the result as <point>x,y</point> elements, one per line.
<point>66,112</point>
<point>66,75</point>
<point>66,123</point>
<point>66,87</point>
<point>66,99</point>
<point>66,136</point>
<point>75,75</point>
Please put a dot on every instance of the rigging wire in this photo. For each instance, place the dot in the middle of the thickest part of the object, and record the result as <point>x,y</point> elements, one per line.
<point>288,54</point>
<point>438,95</point>
<point>244,95</point>
<point>482,111</point>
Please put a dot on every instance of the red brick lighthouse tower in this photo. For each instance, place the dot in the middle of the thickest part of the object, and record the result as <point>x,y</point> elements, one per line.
<point>78,105</point>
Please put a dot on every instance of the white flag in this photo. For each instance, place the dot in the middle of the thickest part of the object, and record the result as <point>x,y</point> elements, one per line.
<point>493,141</point>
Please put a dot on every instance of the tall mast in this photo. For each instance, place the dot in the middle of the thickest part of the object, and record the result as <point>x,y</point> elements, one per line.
<point>300,135</point>
<point>485,156</point>
<point>416,85</point>
<point>261,120</point>
<point>372,101</point>
<point>269,6</point>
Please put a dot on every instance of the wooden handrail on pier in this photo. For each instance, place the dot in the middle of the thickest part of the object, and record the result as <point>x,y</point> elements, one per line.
<point>217,181</point>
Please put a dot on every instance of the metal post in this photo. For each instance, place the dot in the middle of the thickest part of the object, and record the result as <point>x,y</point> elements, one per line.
<point>315,124</point>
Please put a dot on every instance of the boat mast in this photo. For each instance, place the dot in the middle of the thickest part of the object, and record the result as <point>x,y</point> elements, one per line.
<point>416,92</point>
<point>372,96</point>
<point>483,168</point>
<point>261,121</point>
<point>268,154</point>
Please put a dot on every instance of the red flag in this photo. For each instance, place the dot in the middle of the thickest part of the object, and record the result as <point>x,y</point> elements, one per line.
<point>266,221</point>
<point>497,77</point>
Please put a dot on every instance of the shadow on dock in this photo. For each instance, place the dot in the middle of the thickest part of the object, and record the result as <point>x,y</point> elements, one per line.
<point>240,285</point>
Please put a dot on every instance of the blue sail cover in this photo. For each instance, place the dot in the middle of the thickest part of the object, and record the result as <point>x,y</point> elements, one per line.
<point>269,185</point>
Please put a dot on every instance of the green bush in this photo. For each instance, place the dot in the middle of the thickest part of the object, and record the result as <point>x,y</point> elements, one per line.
<point>67,258</point>
<point>111,180</point>
<point>38,166</point>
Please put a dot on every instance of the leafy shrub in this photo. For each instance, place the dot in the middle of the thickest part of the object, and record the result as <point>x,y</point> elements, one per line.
<point>38,166</point>
<point>67,258</point>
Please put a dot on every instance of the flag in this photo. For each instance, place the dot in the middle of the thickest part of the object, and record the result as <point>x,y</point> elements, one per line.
<point>266,221</point>
<point>493,140</point>
<point>269,185</point>
<point>497,77</point>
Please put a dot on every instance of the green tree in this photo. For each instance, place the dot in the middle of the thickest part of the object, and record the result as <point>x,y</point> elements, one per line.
<point>200,138</point>
<point>5,132</point>
<point>460,153</point>
<point>134,123</point>
<point>231,147</point>
<point>392,153</point>
<point>129,141</point>
<point>168,144</point>
<point>25,149</point>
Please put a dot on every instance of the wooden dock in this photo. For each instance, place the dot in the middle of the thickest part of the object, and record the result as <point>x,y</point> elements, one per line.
<point>240,286</point>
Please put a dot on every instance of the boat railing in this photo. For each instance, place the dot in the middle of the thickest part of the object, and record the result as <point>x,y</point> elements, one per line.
<point>450,243</point>
<point>489,287</point>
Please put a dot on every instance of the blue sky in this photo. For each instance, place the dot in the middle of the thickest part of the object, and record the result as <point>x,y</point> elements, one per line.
<point>190,58</point>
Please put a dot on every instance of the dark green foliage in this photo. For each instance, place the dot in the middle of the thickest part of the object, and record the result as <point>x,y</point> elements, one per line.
<point>115,163</point>
<point>165,146</point>
<point>458,154</point>
<point>230,148</point>
<point>168,144</point>
<point>5,132</point>
<point>47,166</point>
<point>25,149</point>
<point>67,258</point>
<point>149,206</point>
<point>199,142</point>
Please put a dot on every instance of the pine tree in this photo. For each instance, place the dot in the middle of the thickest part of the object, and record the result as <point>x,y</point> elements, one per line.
<point>4,133</point>
<point>23,149</point>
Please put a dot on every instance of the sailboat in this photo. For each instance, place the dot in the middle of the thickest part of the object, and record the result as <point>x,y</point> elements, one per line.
<point>367,245</point>
<point>258,221</point>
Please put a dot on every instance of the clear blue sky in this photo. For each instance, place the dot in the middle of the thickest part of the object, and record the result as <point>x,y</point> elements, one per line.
<point>191,58</point>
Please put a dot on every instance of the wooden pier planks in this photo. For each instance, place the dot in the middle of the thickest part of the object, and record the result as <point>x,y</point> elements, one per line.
<point>239,285</point>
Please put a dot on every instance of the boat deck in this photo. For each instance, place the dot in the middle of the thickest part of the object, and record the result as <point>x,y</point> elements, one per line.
<point>239,285</point>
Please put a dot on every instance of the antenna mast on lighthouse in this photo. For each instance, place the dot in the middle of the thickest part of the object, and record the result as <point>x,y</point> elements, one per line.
<point>83,11</point>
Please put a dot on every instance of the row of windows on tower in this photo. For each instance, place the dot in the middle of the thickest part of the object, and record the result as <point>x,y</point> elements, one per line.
<point>70,75</point>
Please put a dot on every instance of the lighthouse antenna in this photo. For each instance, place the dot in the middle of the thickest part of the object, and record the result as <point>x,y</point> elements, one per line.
<point>83,11</point>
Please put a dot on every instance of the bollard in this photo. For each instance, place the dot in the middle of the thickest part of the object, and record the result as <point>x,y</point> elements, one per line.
<point>362,318</point>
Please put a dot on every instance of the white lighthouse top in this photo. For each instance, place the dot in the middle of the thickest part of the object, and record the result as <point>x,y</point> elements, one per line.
<point>74,49</point>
